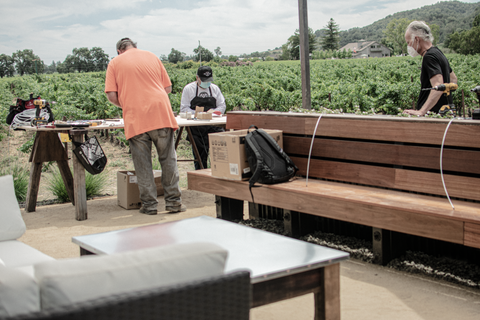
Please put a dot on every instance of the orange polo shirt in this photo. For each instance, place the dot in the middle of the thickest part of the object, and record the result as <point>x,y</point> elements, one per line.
<point>140,79</point>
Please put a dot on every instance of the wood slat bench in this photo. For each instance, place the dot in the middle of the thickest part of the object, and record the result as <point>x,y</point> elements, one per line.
<point>377,171</point>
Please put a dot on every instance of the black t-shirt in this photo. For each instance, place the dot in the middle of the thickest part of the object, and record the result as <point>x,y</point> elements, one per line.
<point>434,62</point>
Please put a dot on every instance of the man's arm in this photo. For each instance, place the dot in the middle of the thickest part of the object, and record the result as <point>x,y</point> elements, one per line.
<point>168,89</point>
<point>433,96</point>
<point>453,77</point>
<point>112,96</point>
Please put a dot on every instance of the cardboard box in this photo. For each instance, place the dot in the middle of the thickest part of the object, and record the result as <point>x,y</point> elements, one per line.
<point>128,196</point>
<point>227,153</point>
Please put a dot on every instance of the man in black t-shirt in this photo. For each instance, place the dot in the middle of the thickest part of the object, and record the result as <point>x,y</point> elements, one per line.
<point>435,68</point>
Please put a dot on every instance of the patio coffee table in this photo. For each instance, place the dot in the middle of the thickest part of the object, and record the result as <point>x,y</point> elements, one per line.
<point>281,267</point>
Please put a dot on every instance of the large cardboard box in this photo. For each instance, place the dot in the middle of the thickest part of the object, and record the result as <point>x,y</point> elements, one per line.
<point>227,153</point>
<point>128,196</point>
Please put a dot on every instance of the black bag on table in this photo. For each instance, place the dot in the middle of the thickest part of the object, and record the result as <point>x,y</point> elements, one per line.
<point>268,162</point>
<point>90,154</point>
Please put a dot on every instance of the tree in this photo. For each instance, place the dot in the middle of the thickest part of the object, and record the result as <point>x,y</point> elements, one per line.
<point>218,52</point>
<point>175,56</point>
<point>100,59</point>
<point>294,43</point>
<point>206,55</point>
<point>7,66</point>
<point>232,58</point>
<point>51,68</point>
<point>331,36</point>
<point>285,53</point>
<point>465,42</point>
<point>83,60</point>
<point>26,62</point>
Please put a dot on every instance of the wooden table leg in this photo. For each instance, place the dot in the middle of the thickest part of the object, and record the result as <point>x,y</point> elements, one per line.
<point>80,194</point>
<point>327,300</point>
<point>67,178</point>
<point>179,137</point>
<point>33,185</point>
<point>194,146</point>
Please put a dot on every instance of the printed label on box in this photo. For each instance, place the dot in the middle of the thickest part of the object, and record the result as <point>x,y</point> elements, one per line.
<point>133,179</point>
<point>234,168</point>
<point>246,170</point>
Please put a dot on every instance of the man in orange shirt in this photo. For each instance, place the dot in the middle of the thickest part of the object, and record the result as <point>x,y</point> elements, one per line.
<point>138,83</point>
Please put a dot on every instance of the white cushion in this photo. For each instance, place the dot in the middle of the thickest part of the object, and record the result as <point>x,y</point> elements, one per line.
<point>19,293</point>
<point>15,253</point>
<point>64,282</point>
<point>12,225</point>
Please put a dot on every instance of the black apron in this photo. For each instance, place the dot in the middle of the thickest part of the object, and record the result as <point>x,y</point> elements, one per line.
<point>206,102</point>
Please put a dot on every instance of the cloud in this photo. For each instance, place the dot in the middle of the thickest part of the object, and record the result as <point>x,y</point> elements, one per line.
<point>52,28</point>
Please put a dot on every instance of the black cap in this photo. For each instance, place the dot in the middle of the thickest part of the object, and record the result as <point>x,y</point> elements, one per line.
<point>205,73</point>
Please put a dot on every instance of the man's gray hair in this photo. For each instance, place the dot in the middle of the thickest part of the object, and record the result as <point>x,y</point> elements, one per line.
<point>420,29</point>
<point>123,43</point>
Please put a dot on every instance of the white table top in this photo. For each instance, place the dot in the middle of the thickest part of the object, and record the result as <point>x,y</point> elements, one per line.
<point>265,254</point>
<point>182,122</point>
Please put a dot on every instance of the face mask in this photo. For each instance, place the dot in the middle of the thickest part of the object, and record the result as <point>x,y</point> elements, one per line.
<point>205,85</point>
<point>412,52</point>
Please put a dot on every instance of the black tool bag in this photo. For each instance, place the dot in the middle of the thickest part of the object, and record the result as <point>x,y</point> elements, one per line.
<point>268,162</point>
<point>90,154</point>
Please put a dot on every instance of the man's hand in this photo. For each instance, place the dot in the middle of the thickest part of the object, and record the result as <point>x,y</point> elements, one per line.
<point>414,112</point>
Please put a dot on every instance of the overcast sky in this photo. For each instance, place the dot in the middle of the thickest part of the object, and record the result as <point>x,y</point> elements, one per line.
<point>52,28</point>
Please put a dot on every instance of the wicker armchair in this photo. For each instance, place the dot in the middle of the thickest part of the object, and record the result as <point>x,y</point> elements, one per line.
<point>220,298</point>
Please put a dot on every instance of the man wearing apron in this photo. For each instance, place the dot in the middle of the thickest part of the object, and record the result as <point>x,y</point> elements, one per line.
<point>202,93</point>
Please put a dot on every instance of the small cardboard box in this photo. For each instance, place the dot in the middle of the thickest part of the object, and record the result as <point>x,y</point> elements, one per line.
<point>227,153</point>
<point>128,196</point>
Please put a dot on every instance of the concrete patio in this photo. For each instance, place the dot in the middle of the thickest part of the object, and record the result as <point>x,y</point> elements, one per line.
<point>367,291</point>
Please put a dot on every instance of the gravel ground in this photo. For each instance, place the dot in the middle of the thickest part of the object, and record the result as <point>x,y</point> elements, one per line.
<point>444,268</point>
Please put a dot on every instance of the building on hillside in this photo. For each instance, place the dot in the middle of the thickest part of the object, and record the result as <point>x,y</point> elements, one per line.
<point>367,49</point>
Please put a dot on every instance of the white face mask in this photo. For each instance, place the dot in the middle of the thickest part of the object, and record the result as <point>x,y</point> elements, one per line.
<point>411,51</point>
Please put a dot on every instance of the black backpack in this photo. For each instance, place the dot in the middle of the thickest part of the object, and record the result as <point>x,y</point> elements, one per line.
<point>268,162</point>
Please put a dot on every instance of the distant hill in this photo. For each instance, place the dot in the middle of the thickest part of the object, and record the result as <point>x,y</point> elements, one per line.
<point>450,16</point>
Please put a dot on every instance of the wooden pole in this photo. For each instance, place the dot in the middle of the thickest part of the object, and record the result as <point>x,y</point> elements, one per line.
<point>304,54</point>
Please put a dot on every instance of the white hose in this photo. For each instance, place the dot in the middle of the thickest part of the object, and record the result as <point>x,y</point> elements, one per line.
<point>311,147</point>
<point>441,163</point>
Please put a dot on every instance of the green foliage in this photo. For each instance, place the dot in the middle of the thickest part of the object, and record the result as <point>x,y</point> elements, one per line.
<point>293,44</point>
<point>467,41</point>
<point>175,56</point>
<point>450,16</point>
<point>374,86</point>
<point>202,54</point>
<point>21,176</point>
<point>26,62</point>
<point>331,37</point>
<point>94,185</point>
<point>27,146</point>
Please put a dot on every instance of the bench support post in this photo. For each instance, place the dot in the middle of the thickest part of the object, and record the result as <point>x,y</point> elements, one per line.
<point>297,224</point>
<point>229,209</point>
<point>382,241</point>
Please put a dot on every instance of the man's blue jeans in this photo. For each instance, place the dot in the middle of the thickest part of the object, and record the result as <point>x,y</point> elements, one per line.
<point>141,148</point>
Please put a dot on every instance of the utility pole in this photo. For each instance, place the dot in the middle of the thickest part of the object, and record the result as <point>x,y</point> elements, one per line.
<point>304,54</point>
<point>36,65</point>
<point>200,52</point>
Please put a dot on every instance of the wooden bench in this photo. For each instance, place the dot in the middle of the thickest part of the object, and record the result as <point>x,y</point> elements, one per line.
<point>377,171</point>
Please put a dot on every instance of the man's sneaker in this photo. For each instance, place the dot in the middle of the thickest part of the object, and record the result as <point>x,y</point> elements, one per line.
<point>172,209</point>
<point>149,212</point>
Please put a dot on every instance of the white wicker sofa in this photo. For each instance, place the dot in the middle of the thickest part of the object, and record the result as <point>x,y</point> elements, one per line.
<point>173,282</point>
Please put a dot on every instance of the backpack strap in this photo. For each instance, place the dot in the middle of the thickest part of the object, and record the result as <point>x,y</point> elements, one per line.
<point>254,146</point>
